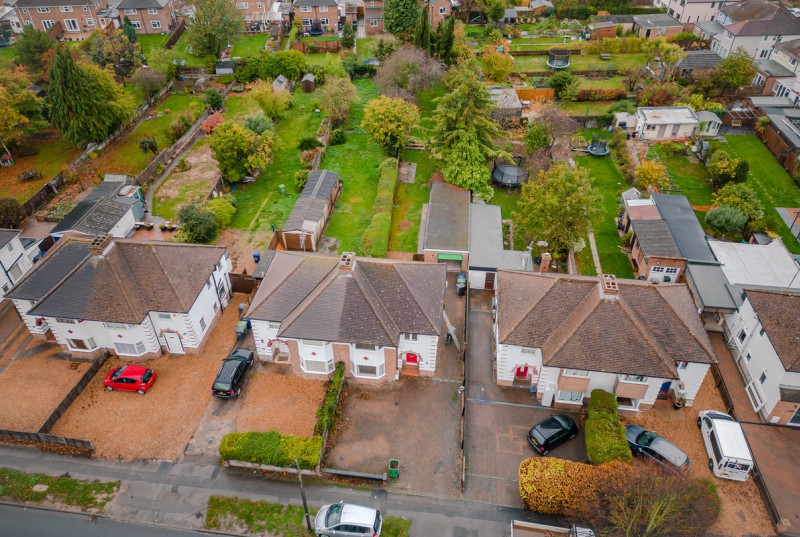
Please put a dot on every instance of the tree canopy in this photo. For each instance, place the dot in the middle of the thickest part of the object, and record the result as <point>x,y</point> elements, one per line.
<point>111,47</point>
<point>400,17</point>
<point>388,120</point>
<point>668,55</point>
<point>737,69</point>
<point>20,109</point>
<point>230,145</point>
<point>559,206</point>
<point>30,47</point>
<point>215,25</point>
<point>335,98</point>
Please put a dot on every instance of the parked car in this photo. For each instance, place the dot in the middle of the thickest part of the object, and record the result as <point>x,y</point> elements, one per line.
<point>729,455</point>
<point>130,378</point>
<point>649,444</point>
<point>231,375</point>
<point>551,433</point>
<point>347,520</point>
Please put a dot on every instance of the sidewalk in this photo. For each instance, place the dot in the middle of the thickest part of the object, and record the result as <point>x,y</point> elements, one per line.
<point>176,494</point>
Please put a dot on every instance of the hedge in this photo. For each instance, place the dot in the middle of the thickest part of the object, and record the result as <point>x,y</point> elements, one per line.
<point>327,411</point>
<point>600,94</point>
<point>605,434</point>
<point>375,239</point>
<point>559,487</point>
<point>272,448</point>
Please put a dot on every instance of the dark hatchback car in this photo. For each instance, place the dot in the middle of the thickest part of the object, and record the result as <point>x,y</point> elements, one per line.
<point>231,375</point>
<point>551,433</point>
<point>660,450</point>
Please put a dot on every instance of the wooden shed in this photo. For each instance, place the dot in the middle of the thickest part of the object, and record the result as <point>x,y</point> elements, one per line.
<point>309,83</point>
<point>310,214</point>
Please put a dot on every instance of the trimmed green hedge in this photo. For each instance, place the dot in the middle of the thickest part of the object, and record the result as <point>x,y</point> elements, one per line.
<point>605,434</point>
<point>375,239</point>
<point>327,411</point>
<point>271,448</point>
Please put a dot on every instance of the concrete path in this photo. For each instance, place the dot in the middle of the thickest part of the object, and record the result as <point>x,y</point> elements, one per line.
<point>176,494</point>
<point>595,255</point>
<point>361,29</point>
<point>788,217</point>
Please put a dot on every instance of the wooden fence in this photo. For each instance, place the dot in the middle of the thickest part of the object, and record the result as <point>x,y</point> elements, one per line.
<point>73,394</point>
<point>47,439</point>
<point>175,35</point>
<point>535,94</point>
<point>242,282</point>
<point>312,47</point>
<point>217,189</point>
<point>48,191</point>
<point>191,72</point>
<point>611,71</point>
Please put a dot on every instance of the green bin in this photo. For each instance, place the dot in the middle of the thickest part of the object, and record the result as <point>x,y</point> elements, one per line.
<point>394,468</point>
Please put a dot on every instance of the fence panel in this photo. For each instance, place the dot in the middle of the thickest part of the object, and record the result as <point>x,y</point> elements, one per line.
<point>73,394</point>
<point>47,439</point>
<point>175,35</point>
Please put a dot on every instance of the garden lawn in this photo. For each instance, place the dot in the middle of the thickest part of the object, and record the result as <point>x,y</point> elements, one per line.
<point>356,162</point>
<point>426,104</point>
<point>239,106</point>
<point>325,59</point>
<point>260,204</point>
<point>772,184</point>
<point>608,179</point>
<point>596,108</point>
<point>249,45</point>
<point>617,82</point>
<point>408,202</point>
<point>151,42</point>
<point>581,62</point>
<point>690,177</point>
<point>52,154</point>
<point>182,47</point>
<point>126,157</point>
<point>365,48</point>
<point>279,520</point>
<point>7,58</point>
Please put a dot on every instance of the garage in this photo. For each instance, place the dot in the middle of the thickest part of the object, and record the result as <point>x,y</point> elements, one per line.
<point>454,262</point>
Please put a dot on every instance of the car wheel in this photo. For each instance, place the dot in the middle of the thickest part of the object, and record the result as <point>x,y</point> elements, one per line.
<point>711,465</point>
<point>109,388</point>
<point>699,423</point>
<point>140,391</point>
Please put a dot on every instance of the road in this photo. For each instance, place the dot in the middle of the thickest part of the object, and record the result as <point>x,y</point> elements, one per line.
<point>22,522</point>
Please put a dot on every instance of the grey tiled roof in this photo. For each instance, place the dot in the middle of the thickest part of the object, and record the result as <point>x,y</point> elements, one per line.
<point>447,225</point>
<point>654,238</point>
<point>644,331</point>
<point>370,304</point>
<point>685,229</point>
<point>60,261</point>
<point>699,59</point>
<point>778,315</point>
<point>102,217</point>
<point>7,235</point>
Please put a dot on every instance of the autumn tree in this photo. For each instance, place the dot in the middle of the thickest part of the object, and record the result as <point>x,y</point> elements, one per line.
<point>10,213</point>
<point>556,123</point>
<point>272,103</point>
<point>85,103</point>
<point>388,120</point>
<point>496,65</point>
<point>407,71</point>
<point>559,206</point>
<point>665,54</point>
<point>742,197</point>
<point>463,127</point>
<point>722,168</point>
<point>231,144</point>
<point>110,47</point>
<point>737,69</point>
<point>162,61</point>
<point>215,25</point>
<point>149,83</point>
<point>20,110</point>
<point>261,154</point>
<point>400,17</point>
<point>335,98</point>
<point>30,47</point>
<point>651,173</point>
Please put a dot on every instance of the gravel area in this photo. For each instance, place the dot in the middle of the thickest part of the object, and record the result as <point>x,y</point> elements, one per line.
<point>284,403</point>
<point>743,511</point>
<point>33,387</point>
<point>159,424</point>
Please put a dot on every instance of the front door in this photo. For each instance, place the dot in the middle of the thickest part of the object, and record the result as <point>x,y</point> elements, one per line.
<point>174,343</point>
<point>412,359</point>
<point>489,283</point>
<point>662,129</point>
<point>663,392</point>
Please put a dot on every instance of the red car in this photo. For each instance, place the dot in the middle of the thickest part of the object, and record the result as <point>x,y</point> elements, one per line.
<point>130,378</point>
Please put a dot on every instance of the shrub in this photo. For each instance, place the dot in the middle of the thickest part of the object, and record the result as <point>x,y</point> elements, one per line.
<point>338,137</point>
<point>259,123</point>
<point>178,128</point>
<point>605,434</point>
<point>727,221</point>
<point>10,213</point>
<point>272,448</point>
<point>148,144</point>
<point>300,179</point>
<point>197,224</point>
<point>307,157</point>
<point>182,165</point>
<point>212,122</point>
<point>213,99</point>
<point>672,148</point>
<point>742,197</point>
<point>374,241</point>
<point>308,143</point>
<point>328,410</point>
<point>223,210</point>
<point>565,85</point>
<point>225,79</point>
<point>600,94</point>
<point>722,168</point>
<point>407,71</point>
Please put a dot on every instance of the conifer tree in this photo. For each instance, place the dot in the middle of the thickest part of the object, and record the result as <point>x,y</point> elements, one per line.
<point>422,33</point>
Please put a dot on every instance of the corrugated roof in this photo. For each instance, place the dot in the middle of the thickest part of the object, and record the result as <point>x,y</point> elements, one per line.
<point>310,206</point>
<point>643,331</point>
<point>655,239</point>
<point>685,229</point>
<point>447,224</point>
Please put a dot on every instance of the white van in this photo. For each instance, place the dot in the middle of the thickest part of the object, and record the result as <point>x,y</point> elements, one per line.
<point>728,454</point>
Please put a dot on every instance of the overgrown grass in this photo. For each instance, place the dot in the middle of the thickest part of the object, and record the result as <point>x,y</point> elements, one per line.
<point>690,177</point>
<point>260,204</point>
<point>225,513</point>
<point>772,183</point>
<point>51,155</point>
<point>325,59</point>
<point>607,178</point>
<point>408,202</point>
<point>584,261</point>
<point>356,162</point>
<point>365,48</point>
<point>238,107</point>
<point>19,486</point>
<point>617,82</point>
<point>595,108</point>
<point>151,42</point>
<point>249,45</point>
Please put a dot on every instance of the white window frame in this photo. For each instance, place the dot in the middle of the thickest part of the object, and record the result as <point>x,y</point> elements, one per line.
<point>130,12</point>
<point>306,22</point>
<point>90,22</point>
<point>61,320</point>
<point>380,371</point>
<point>312,343</point>
<point>137,349</point>
<point>273,325</point>
<point>165,316</point>
<point>762,378</point>
<point>260,5</point>
<point>25,10</point>
<point>326,365</point>
<point>15,273</point>
<point>575,373</point>
<point>155,24</point>
<point>443,10</point>
<point>152,11</point>
<point>360,347</point>
<point>89,343</point>
<point>634,406</point>
<point>136,25</point>
<point>242,5</point>
<point>634,379</point>
<point>86,8</point>
<point>411,337</point>
<point>323,9</point>
<point>42,10</point>
<point>117,326</point>
<point>649,127</point>
<point>324,21</point>
<point>794,421</point>
<point>71,25</point>
<point>572,398</point>
<point>527,350</point>
<point>66,9</point>
<point>305,9</point>
<point>47,24</point>
<point>373,23</point>
<point>202,324</point>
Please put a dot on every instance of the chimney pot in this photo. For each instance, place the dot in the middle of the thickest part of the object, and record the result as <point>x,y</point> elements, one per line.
<point>545,265</point>
<point>608,286</point>
<point>346,263</point>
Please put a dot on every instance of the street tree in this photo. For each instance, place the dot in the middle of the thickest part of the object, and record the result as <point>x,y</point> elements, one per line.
<point>559,206</point>
<point>30,47</point>
<point>463,118</point>
<point>388,120</point>
<point>215,25</point>
<point>400,17</point>
<point>737,69</point>
<point>335,98</point>
<point>149,82</point>
<point>85,103</point>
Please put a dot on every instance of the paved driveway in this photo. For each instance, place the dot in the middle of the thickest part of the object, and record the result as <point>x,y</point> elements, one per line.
<point>497,421</point>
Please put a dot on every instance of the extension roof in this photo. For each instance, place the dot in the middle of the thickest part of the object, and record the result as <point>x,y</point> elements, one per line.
<point>447,224</point>
<point>655,239</point>
<point>370,303</point>
<point>777,312</point>
<point>643,331</point>
<point>373,13</point>
<point>699,59</point>
<point>757,264</point>
<point>657,20</point>
<point>486,242</point>
<point>315,197</point>
<point>314,3</point>
<point>684,227</point>
<point>791,47</point>
<point>120,284</point>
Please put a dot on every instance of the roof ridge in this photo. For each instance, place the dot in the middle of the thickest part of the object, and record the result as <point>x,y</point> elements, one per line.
<point>61,281</point>
<point>574,320</point>
<point>411,293</point>
<point>362,282</point>
<point>317,290</point>
<point>169,280</point>
<point>661,352</point>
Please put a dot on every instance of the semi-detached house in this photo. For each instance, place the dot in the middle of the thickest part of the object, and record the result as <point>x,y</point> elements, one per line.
<point>316,14</point>
<point>137,299</point>
<point>78,18</point>
<point>148,16</point>
<point>14,260</point>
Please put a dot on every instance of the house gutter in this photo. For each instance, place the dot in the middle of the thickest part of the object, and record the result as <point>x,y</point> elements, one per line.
<point>216,293</point>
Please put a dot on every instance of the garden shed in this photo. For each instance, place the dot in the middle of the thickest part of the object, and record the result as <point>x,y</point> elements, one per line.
<point>309,83</point>
<point>709,123</point>
<point>310,214</point>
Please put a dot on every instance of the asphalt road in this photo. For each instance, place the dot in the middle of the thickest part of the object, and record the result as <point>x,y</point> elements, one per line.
<point>24,522</point>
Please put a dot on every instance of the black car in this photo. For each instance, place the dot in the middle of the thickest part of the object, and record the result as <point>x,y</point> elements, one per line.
<point>552,432</point>
<point>231,374</point>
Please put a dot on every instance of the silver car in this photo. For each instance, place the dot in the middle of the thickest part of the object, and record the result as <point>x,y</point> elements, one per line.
<point>663,452</point>
<point>347,520</point>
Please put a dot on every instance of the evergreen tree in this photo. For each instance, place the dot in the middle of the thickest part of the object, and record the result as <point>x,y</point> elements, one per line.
<point>85,103</point>
<point>463,133</point>
<point>128,29</point>
<point>30,47</point>
<point>400,17</point>
<point>443,40</point>
<point>348,35</point>
<point>422,33</point>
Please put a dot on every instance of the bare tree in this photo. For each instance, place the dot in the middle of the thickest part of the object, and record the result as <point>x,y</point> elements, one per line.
<point>407,71</point>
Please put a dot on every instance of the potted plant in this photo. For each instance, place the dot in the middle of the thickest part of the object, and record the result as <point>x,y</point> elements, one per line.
<point>149,226</point>
<point>162,226</point>
<point>679,399</point>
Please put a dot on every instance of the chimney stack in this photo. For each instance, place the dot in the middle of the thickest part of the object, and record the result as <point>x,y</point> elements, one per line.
<point>545,264</point>
<point>346,263</point>
<point>608,286</point>
<point>99,243</point>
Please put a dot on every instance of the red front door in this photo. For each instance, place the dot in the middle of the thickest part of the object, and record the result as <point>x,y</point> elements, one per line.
<point>412,359</point>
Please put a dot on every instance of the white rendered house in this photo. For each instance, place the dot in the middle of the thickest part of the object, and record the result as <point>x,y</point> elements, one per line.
<point>14,262</point>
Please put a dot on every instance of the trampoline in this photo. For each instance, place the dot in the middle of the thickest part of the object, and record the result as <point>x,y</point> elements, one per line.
<point>509,174</point>
<point>559,58</point>
<point>598,147</point>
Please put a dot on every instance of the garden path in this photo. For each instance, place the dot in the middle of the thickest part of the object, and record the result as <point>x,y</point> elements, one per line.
<point>595,255</point>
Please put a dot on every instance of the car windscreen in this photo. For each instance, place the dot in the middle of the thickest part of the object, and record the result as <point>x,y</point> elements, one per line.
<point>646,438</point>
<point>147,375</point>
<point>377,525</point>
<point>334,515</point>
<point>538,436</point>
<point>117,372</point>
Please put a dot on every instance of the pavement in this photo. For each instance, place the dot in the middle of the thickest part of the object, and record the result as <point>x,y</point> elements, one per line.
<point>176,494</point>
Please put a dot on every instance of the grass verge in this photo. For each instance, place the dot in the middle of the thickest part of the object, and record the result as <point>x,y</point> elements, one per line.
<point>19,486</point>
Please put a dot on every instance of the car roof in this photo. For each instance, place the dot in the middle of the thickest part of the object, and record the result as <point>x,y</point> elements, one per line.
<point>133,370</point>
<point>228,367</point>
<point>731,438</point>
<point>240,353</point>
<point>668,450</point>
<point>356,514</point>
